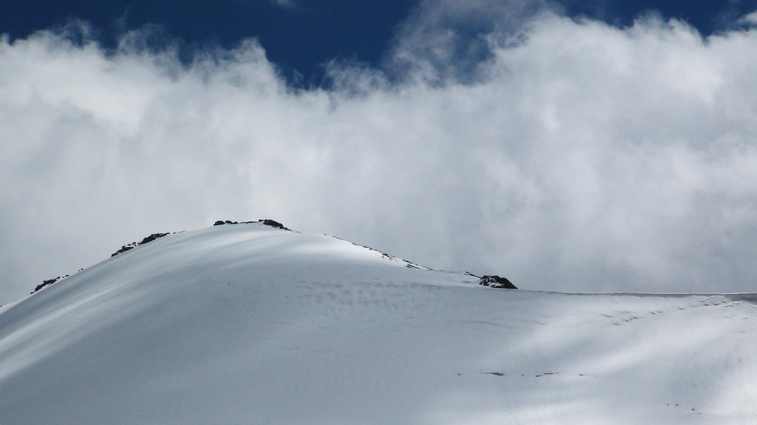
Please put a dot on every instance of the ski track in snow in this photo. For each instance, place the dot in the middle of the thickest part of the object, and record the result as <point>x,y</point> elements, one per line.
<point>246,324</point>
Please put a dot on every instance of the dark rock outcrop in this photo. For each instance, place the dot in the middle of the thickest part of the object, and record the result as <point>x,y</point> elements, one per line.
<point>152,238</point>
<point>273,223</point>
<point>133,245</point>
<point>48,283</point>
<point>496,282</point>
<point>265,221</point>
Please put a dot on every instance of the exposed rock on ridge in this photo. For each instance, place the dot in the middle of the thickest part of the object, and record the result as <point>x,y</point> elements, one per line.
<point>495,281</point>
<point>265,221</point>
<point>133,245</point>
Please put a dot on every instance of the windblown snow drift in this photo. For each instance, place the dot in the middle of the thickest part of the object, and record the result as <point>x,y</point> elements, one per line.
<point>251,324</point>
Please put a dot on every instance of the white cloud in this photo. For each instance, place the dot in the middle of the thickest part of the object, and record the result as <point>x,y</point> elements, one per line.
<point>445,39</point>
<point>583,158</point>
<point>748,20</point>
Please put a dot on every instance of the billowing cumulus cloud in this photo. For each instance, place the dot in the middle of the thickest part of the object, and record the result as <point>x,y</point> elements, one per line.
<point>581,157</point>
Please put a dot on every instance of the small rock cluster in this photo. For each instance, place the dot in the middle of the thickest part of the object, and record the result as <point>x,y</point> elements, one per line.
<point>495,281</point>
<point>133,245</point>
<point>265,221</point>
<point>48,282</point>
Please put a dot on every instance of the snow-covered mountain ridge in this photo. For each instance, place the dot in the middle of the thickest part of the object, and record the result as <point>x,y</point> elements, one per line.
<point>250,324</point>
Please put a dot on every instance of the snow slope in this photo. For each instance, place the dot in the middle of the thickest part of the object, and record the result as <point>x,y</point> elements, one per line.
<point>247,324</point>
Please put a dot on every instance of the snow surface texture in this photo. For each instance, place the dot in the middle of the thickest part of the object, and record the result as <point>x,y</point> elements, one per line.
<point>247,324</point>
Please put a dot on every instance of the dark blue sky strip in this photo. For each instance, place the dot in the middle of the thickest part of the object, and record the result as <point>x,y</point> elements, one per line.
<point>708,16</point>
<point>298,38</point>
<point>304,36</point>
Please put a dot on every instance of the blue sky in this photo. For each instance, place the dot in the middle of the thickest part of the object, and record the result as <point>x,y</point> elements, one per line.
<point>301,35</point>
<point>592,146</point>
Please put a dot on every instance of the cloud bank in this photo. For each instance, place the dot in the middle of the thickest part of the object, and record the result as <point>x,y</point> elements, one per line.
<point>581,157</point>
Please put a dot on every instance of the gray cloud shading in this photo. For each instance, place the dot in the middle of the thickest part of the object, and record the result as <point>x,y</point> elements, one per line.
<point>450,39</point>
<point>582,157</point>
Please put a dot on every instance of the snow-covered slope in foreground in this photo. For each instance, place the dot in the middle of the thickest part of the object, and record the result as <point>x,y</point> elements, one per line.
<point>247,324</point>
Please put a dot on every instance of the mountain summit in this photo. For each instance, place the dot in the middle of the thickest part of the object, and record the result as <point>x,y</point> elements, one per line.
<point>254,324</point>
